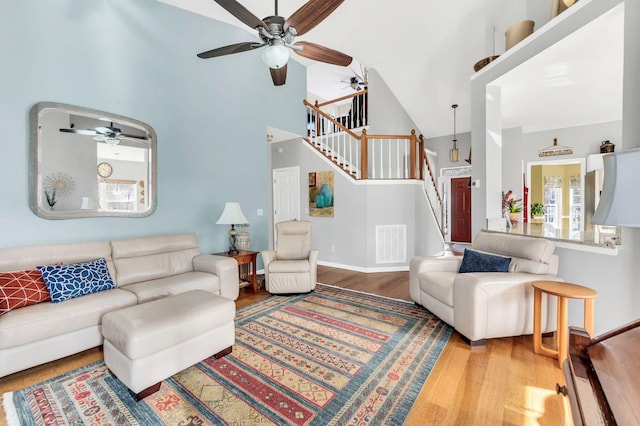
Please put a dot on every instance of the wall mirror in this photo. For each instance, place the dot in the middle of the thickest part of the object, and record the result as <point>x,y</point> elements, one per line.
<point>88,163</point>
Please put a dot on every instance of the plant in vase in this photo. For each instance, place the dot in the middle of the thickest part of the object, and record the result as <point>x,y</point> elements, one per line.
<point>512,206</point>
<point>537,211</point>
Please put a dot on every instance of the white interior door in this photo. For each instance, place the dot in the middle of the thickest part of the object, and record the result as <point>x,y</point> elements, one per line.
<point>286,194</point>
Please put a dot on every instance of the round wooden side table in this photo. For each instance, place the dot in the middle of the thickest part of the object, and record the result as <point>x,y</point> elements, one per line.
<point>564,291</point>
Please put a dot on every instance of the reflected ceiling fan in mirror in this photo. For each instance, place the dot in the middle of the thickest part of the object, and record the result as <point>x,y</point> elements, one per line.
<point>277,33</point>
<point>108,134</point>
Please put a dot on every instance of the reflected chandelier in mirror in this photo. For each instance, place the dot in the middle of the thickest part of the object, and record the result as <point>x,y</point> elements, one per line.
<point>88,163</point>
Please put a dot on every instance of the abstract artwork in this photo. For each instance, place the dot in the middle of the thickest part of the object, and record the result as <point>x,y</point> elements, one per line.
<point>321,194</point>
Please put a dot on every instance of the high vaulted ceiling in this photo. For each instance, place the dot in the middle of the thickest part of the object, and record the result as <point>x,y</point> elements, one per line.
<point>423,49</point>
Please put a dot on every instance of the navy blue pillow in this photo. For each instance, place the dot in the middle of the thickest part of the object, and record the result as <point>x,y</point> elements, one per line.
<point>76,279</point>
<point>474,261</point>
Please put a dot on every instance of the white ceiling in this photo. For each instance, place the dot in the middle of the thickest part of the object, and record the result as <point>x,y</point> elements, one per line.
<point>425,51</point>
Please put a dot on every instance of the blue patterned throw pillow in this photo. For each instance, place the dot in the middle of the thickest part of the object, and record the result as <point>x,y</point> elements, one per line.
<point>76,279</point>
<point>475,261</point>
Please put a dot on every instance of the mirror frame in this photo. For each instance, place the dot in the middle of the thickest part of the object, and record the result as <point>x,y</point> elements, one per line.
<point>35,180</point>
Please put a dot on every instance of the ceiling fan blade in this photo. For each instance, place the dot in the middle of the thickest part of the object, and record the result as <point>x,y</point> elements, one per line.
<point>311,14</point>
<point>279,75</point>
<point>240,12</point>
<point>322,54</point>
<point>99,138</point>
<point>80,131</point>
<point>228,50</point>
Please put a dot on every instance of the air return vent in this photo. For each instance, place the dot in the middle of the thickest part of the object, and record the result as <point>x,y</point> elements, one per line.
<point>391,243</point>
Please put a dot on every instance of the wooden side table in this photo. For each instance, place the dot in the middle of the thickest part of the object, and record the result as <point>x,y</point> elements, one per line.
<point>245,257</point>
<point>564,291</point>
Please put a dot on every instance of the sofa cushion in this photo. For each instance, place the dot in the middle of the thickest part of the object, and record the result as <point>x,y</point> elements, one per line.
<point>21,288</point>
<point>29,257</point>
<point>150,258</point>
<point>539,250</point>
<point>475,261</point>
<point>46,320</point>
<point>294,240</point>
<point>76,279</point>
<point>438,285</point>
<point>175,284</point>
<point>145,329</point>
<point>289,266</point>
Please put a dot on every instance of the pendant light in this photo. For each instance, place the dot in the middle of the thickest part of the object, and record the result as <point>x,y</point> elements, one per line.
<point>453,154</point>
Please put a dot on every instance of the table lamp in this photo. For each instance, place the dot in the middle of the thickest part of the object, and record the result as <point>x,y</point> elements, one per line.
<point>232,215</point>
<point>619,204</point>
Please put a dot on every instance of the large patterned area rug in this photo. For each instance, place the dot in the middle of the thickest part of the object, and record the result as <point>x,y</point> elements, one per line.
<point>331,357</point>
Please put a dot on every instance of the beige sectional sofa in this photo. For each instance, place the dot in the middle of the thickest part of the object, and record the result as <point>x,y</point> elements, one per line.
<point>485,305</point>
<point>143,269</point>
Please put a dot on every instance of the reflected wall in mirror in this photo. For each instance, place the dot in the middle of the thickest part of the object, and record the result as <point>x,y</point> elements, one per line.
<point>87,163</point>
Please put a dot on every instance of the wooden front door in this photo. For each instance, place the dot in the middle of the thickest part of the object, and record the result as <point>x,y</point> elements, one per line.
<point>460,210</point>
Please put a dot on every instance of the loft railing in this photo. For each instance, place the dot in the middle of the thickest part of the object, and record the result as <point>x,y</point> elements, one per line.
<point>365,156</point>
<point>352,111</point>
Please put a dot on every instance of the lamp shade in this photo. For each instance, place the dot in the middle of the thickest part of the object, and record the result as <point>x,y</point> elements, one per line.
<point>275,56</point>
<point>232,214</point>
<point>619,204</point>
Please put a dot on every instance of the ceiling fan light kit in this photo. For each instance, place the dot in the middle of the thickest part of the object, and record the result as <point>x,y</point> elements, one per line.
<point>276,55</point>
<point>277,35</point>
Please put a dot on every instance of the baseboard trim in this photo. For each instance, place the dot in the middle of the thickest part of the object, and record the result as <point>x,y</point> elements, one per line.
<point>401,268</point>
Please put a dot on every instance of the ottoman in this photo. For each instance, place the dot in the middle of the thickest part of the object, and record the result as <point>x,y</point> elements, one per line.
<point>147,343</point>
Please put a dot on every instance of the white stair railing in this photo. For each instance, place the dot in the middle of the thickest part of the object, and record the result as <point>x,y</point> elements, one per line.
<point>367,156</point>
<point>431,189</point>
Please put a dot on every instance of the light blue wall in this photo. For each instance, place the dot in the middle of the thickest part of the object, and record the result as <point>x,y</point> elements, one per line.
<point>138,59</point>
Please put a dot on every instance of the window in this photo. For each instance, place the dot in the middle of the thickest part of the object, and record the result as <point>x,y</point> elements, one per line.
<point>552,205</point>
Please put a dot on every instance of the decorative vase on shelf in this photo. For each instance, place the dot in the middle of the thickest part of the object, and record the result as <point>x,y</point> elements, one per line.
<point>325,190</point>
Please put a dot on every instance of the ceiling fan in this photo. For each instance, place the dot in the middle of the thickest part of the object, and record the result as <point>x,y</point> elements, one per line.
<point>108,134</point>
<point>358,81</point>
<point>277,33</point>
<point>354,83</point>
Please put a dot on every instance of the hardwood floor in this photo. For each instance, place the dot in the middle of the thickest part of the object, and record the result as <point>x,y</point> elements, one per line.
<point>502,383</point>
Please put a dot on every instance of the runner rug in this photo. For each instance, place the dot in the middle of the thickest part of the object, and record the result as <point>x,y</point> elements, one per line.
<point>329,357</point>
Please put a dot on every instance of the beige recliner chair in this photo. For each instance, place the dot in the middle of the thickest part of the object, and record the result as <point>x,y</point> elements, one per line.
<point>487,305</point>
<point>292,266</point>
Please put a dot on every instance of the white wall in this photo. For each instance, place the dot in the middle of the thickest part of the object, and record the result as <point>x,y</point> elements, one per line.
<point>613,276</point>
<point>358,208</point>
<point>519,148</point>
<point>443,144</point>
<point>386,115</point>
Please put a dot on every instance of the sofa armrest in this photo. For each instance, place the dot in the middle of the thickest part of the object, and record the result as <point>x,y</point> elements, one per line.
<point>496,304</point>
<point>420,264</point>
<point>226,268</point>
<point>313,264</point>
<point>267,257</point>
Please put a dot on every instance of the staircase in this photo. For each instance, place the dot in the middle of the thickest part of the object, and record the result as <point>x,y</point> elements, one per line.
<point>338,130</point>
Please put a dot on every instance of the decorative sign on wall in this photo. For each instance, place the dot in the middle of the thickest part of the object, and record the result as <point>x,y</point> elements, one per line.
<point>555,149</point>
<point>321,194</point>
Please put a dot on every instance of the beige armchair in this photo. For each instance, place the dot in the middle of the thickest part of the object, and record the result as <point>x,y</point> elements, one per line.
<point>292,266</point>
<point>486,305</point>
